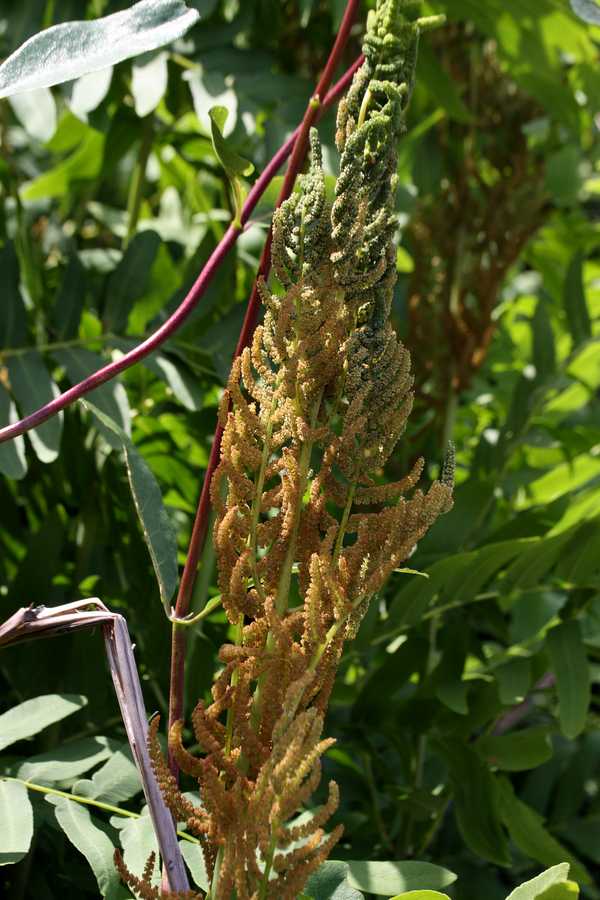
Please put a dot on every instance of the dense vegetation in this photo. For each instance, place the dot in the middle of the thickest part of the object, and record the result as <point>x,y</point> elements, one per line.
<point>464,710</point>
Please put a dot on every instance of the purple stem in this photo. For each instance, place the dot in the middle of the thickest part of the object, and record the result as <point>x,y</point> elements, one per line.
<point>517,713</point>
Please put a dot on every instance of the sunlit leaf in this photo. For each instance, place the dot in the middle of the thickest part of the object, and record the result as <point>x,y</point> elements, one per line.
<point>588,10</point>
<point>67,51</point>
<point>16,822</point>
<point>388,878</point>
<point>32,716</point>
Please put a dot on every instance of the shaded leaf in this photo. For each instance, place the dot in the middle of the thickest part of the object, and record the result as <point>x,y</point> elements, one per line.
<point>32,387</point>
<point>32,716</point>
<point>83,164</point>
<point>128,282</point>
<point>69,302</point>
<point>477,808</point>
<point>517,751</point>
<point>13,320</point>
<point>570,665</point>
<point>527,830</point>
<point>578,315</point>
<point>16,822</point>
<point>67,51</point>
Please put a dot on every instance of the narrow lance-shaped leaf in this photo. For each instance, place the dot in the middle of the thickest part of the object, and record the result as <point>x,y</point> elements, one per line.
<point>72,49</point>
<point>569,663</point>
<point>16,822</point>
<point>33,715</point>
<point>578,316</point>
<point>13,462</point>
<point>159,533</point>
<point>33,387</point>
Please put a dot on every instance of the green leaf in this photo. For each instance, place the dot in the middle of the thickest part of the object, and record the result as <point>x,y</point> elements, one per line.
<point>79,826</point>
<point>531,890</point>
<point>389,878</point>
<point>70,299</point>
<point>568,890</point>
<point>518,751</point>
<point>159,533</point>
<point>306,8</point>
<point>330,882</point>
<point>476,799</point>
<point>527,831</point>
<point>544,350</point>
<point>83,164</point>
<point>36,111</point>
<point>65,52</point>
<point>117,780</point>
<point>421,895</point>
<point>578,316</point>
<point>16,822</point>
<point>570,665</point>
<point>67,760</point>
<point>13,320</point>
<point>194,860</point>
<point>32,387</point>
<point>34,715</point>
<point>514,680</point>
<point>149,81</point>
<point>138,842</point>
<point>13,462</point>
<point>128,282</point>
<point>88,92</point>
<point>234,165</point>
<point>588,10</point>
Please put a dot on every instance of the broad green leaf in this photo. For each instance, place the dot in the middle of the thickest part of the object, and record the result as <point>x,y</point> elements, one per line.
<point>531,890</point>
<point>36,111</point>
<point>32,387</point>
<point>569,663</point>
<point>184,388</point>
<point>421,895</point>
<point>110,398</point>
<point>79,826</point>
<point>578,315</point>
<point>476,798</point>
<point>67,760</point>
<point>138,842</point>
<point>517,751</point>
<point>210,89</point>
<point>13,462</point>
<point>588,10</point>
<point>330,882</point>
<point>388,878</point>
<point>194,860</point>
<point>116,781</point>
<point>527,831</point>
<point>87,93</point>
<point>149,81</point>
<point>128,282</point>
<point>65,52</point>
<point>159,533</point>
<point>16,822</point>
<point>34,715</point>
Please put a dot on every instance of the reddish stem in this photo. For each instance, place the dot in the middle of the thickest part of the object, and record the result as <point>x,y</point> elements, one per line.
<point>313,112</point>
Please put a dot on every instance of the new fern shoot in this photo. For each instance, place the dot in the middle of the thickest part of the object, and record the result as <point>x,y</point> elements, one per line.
<point>306,531</point>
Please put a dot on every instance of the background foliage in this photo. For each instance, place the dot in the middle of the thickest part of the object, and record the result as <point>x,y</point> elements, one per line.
<point>111,200</point>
